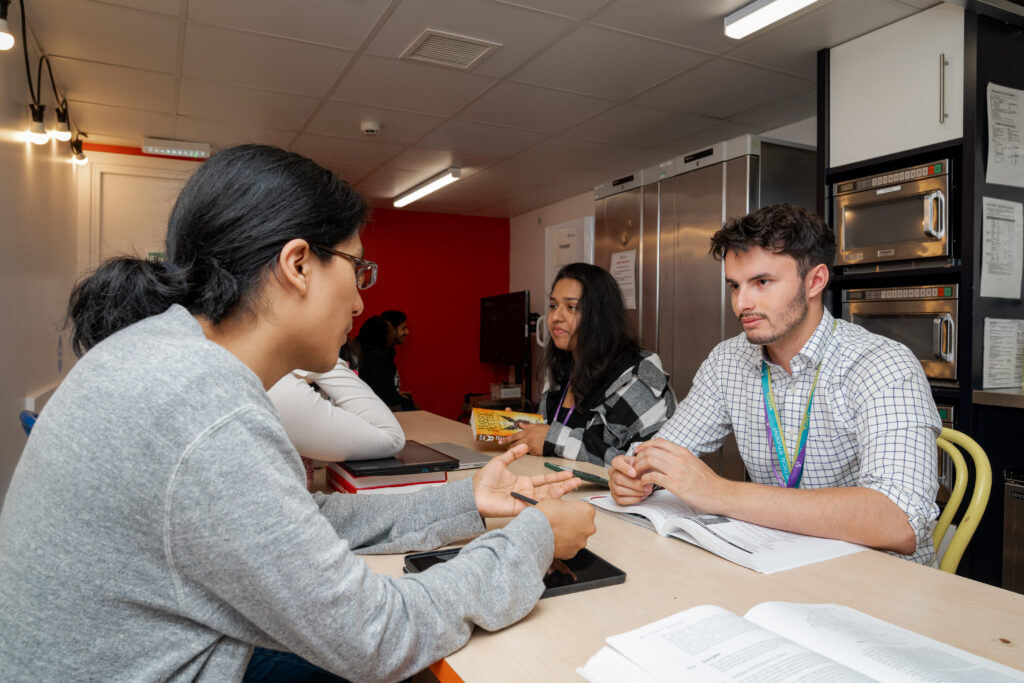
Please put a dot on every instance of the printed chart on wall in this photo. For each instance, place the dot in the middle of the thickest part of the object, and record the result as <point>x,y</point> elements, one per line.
<point>623,269</point>
<point>1003,360</point>
<point>1002,249</point>
<point>1005,136</point>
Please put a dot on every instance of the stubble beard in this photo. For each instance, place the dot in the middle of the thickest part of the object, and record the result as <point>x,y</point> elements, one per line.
<point>790,319</point>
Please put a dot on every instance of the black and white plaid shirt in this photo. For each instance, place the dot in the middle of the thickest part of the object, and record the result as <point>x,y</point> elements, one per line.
<point>632,405</point>
<point>873,419</point>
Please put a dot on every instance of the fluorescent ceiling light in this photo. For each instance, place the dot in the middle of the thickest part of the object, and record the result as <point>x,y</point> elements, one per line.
<point>759,14</point>
<point>422,190</point>
<point>176,148</point>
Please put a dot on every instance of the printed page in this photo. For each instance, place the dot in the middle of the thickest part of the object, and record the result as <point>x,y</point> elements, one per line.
<point>875,647</point>
<point>709,643</point>
<point>654,512</point>
<point>760,548</point>
<point>610,666</point>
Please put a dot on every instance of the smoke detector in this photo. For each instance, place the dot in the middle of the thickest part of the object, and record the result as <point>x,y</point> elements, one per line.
<point>369,127</point>
<point>449,49</point>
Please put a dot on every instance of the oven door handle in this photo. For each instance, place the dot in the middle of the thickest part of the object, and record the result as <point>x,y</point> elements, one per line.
<point>935,219</point>
<point>940,341</point>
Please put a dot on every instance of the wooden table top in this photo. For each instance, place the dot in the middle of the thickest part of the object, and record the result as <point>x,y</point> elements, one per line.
<point>666,575</point>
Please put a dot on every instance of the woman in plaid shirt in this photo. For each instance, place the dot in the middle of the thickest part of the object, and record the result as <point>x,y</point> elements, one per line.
<point>601,392</point>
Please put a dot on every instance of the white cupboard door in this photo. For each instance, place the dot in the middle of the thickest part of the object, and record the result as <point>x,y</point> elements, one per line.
<point>889,90</point>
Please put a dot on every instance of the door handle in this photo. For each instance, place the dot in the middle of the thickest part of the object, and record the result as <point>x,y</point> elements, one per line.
<point>942,87</point>
<point>935,218</point>
<point>944,345</point>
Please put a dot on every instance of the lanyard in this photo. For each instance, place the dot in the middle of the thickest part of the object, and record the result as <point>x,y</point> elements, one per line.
<point>788,471</point>
<point>558,408</point>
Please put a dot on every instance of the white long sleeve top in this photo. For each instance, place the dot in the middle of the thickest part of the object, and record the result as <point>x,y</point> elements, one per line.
<point>343,421</point>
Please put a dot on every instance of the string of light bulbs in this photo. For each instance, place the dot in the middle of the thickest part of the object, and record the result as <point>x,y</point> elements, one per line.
<point>63,124</point>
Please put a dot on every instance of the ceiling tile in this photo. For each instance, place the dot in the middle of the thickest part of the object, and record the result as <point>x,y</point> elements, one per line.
<point>564,151</point>
<point>412,87</point>
<point>220,134</point>
<point>577,9</point>
<point>104,33</point>
<point>340,23</point>
<point>350,173</point>
<point>480,139</point>
<point>362,152</point>
<point>521,33</point>
<point>793,46</point>
<point>341,119</point>
<point>118,86</point>
<point>781,113</point>
<point>698,25</point>
<point>606,63</point>
<point>638,126</point>
<point>246,106</point>
<point>518,173</point>
<point>726,130</point>
<point>248,59</point>
<point>171,7</point>
<point>98,118</point>
<point>721,88</point>
<point>528,106</point>
<point>431,161</point>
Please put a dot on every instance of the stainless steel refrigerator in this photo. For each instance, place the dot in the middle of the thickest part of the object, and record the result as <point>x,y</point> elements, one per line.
<point>667,214</point>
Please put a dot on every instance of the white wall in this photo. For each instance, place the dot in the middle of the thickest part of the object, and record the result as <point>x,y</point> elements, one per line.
<point>526,254</point>
<point>37,256</point>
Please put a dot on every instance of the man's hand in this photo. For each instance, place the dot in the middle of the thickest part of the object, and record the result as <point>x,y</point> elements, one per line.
<point>675,468</point>
<point>624,481</point>
<point>494,482</point>
<point>531,434</point>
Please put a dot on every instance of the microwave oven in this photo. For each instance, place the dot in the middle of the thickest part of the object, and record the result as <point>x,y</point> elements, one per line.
<point>894,216</point>
<point>922,318</point>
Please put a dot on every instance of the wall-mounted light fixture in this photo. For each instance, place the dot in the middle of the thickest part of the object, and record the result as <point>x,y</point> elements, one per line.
<point>6,37</point>
<point>423,189</point>
<point>759,14</point>
<point>36,133</point>
<point>61,130</point>
<point>77,155</point>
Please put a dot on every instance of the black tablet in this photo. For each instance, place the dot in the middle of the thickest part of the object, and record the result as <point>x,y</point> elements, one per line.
<point>583,572</point>
<point>412,459</point>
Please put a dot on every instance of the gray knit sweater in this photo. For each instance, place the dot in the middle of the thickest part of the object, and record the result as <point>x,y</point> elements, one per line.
<point>157,527</point>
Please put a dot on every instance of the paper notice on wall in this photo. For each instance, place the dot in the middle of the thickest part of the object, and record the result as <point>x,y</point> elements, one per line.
<point>1005,135</point>
<point>568,245</point>
<point>623,269</point>
<point>1003,360</point>
<point>1002,248</point>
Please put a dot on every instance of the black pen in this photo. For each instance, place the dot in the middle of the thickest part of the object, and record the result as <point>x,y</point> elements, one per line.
<point>525,499</point>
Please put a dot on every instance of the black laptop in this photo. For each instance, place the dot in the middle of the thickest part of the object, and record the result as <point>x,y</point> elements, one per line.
<point>412,459</point>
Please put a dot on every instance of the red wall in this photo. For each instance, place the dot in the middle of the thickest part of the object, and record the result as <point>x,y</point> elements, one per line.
<point>435,267</point>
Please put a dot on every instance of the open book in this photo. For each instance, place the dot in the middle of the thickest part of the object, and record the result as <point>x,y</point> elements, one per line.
<point>755,547</point>
<point>784,642</point>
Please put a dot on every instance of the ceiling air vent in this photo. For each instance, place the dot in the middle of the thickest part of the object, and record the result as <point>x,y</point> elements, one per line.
<point>449,49</point>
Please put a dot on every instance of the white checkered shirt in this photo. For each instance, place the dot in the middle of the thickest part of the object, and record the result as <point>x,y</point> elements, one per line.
<point>873,419</point>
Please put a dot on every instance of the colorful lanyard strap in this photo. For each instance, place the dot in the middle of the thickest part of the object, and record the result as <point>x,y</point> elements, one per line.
<point>558,408</point>
<point>788,470</point>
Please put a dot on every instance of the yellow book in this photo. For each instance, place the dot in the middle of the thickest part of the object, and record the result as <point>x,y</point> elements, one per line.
<point>491,425</point>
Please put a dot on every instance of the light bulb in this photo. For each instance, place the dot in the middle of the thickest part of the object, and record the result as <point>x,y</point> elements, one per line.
<point>80,159</point>
<point>6,39</point>
<point>37,134</point>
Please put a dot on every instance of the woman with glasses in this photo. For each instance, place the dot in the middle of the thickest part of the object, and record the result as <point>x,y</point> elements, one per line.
<point>158,525</point>
<point>601,392</point>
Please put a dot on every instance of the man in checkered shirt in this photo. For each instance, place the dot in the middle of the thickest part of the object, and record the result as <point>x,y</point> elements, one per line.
<point>868,474</point>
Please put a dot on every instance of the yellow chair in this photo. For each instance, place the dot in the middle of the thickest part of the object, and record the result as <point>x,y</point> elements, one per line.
<point>950,560</point>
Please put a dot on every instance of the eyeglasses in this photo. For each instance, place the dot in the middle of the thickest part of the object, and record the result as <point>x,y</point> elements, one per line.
<point>366,271</point>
